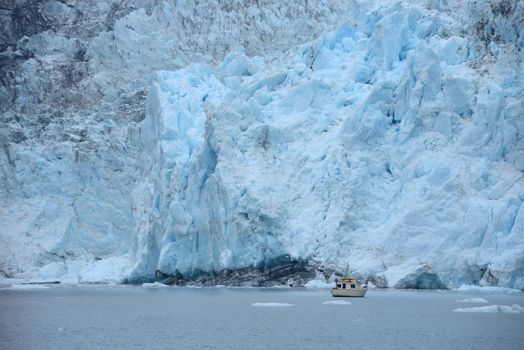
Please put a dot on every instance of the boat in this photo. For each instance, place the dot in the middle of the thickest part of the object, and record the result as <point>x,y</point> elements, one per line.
<point>348,287</point>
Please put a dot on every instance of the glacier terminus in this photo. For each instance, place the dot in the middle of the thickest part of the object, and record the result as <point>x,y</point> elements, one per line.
<point>263,143</point>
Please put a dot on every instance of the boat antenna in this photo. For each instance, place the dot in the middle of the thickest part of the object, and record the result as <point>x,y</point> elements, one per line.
<point>347,269</point>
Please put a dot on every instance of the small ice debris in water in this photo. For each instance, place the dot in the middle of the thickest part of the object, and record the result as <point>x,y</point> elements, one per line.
<point>371,285</point>
<point>487,289</point>
<point>480,309</point>
<point>517,307</point>
<point>505,309</point>
<point>28,286</point>
<point>473,300</point>
<point>154,285</point>
<point>337,302</point>
<point>318,284</point>
<point>61,329</point>
<point>271,304</point>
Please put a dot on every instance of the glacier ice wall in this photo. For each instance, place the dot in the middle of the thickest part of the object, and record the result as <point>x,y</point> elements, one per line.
<point>380,144</point>
<point>73,80</point>
<point>393,142</point>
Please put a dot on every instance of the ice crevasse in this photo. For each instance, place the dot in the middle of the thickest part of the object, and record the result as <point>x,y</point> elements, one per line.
<point>393,143</point>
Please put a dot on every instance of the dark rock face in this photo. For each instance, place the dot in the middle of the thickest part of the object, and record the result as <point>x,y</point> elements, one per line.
<point>497,22</point>
<point>19,18</point>
<point>276,272</point>
<point>54,77</point>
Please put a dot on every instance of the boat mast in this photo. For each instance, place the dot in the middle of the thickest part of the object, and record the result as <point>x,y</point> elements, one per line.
<point>347,270</point>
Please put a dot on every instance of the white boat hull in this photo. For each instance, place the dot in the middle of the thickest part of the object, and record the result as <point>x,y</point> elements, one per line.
<point>350,292</point>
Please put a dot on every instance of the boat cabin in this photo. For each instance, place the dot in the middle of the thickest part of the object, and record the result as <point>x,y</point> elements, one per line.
<point>348,287</point>
<point>346,283</point>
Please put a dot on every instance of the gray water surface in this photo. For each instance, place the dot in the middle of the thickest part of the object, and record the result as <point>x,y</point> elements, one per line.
<point>104,317</point>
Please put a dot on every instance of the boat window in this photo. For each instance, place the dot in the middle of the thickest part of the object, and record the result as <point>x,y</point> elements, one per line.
<point>352,286</point>
<point>343,286</point>
<point>339,286</point>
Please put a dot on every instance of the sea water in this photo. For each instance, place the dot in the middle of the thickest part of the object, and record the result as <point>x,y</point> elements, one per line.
<point>129,317</point>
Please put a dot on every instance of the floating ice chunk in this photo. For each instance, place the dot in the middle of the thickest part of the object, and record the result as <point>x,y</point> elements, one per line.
<point>337,302</point>
<point>272,304</point>
<point>154,285</point>
<point>489,289</point>
<point>28,286</point>
<point>505,309</point>
<point>318,284</point>
<point>517,307</point>
<point>480,309</point>
<point>107,270</point>
<point>371,285</point>
<point>473,300</point>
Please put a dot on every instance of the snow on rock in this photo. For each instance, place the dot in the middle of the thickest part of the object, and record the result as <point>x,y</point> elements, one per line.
<point>393,142</point>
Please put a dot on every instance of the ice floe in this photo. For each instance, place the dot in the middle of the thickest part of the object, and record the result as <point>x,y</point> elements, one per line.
<point>473,300</point>
<point>337,302</point>
<point>154,285</point>
<point>28,286</point>
<point>272,304</point>
<point>505,309</point>
<point>319,284</point>
<point>487,289</point>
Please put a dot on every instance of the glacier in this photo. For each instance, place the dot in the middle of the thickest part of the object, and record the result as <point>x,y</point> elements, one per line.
<point>383,135</point>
